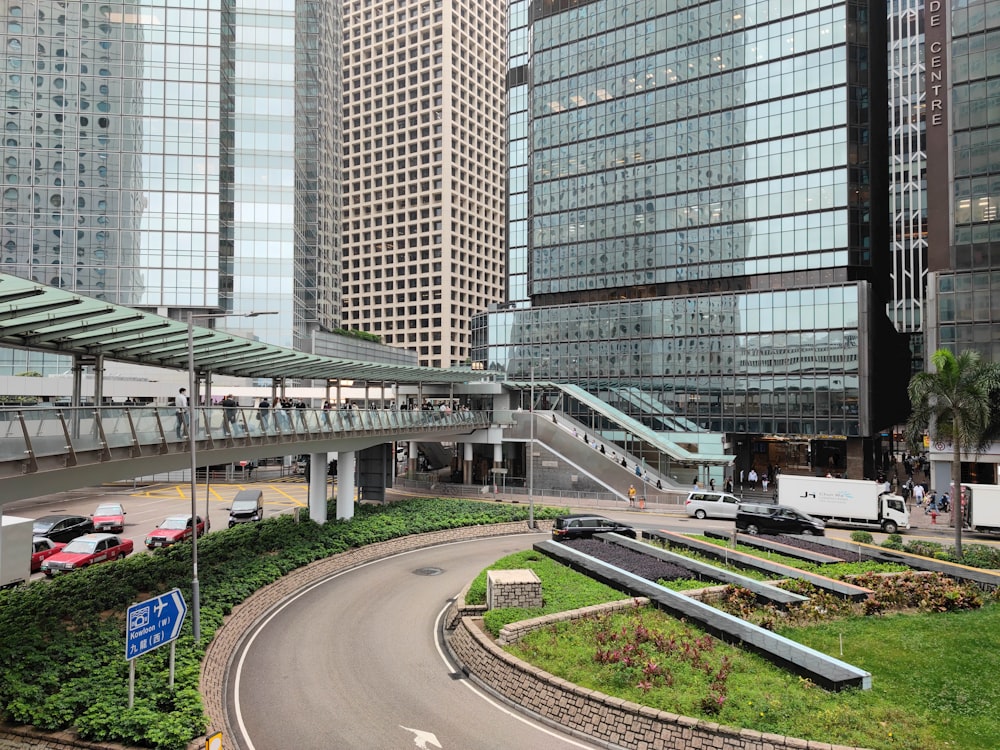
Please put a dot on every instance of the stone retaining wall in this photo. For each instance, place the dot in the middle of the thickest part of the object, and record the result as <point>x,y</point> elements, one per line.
<point>215,665</point>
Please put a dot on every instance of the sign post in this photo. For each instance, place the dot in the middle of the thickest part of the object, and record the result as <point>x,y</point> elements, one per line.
<point>149,625</point>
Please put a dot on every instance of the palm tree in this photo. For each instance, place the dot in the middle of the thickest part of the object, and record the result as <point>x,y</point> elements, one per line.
<point>953,402</point>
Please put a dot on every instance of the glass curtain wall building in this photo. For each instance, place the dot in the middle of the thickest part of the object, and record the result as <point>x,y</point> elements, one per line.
<point>707,219</point>
<point>175,156</point>
<point>962,61</point>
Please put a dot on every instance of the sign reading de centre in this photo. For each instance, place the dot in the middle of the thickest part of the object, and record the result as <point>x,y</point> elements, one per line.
<point>153,623</point>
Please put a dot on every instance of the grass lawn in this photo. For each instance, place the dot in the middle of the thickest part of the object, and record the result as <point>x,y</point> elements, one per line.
<point>934,667</point>
<point>930,686</point>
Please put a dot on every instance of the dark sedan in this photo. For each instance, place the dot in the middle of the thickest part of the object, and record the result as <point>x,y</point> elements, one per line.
<point>62,527</point>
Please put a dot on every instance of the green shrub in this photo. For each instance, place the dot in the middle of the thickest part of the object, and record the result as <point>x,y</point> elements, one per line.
<point>862,537</point>
<point>893,541</point>
<point>61,641</point>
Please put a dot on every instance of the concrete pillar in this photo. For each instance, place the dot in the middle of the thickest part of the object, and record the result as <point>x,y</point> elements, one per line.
<point>345,485</point>
<point>411,454</point>
<point>467,463</point>
<point>99,380</point>
<point>317,486</point>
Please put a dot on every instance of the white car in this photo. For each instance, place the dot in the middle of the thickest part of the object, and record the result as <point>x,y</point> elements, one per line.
<point>707,504</point>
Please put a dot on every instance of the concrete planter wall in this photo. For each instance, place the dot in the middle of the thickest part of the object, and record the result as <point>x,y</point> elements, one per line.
<point>616,722</point>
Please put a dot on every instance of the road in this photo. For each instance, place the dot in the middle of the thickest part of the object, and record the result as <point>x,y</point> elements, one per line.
<point>354,662</point>
<point>146,506</point>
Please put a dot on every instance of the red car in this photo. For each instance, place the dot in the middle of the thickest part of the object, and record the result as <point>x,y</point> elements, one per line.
<point>173,529</point>
<point>41,549</point>
<point>85,550</point>
<point>109,517</point>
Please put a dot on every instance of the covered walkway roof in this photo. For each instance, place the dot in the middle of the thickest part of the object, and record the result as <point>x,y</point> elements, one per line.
<point>44,318</point>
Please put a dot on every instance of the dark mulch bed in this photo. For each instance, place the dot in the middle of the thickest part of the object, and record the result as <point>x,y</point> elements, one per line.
<point>637,563</point>
<point>810,546</point>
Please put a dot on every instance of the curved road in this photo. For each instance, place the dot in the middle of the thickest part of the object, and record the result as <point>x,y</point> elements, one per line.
<point>354,662</point>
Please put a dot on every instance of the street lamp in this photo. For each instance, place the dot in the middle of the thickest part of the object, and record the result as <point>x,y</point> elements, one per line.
<point>193,448</point>
<point>531,454</point>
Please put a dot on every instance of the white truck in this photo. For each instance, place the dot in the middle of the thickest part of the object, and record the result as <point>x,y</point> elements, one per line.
<point>844,502</point>
<point>982,507</point>
<point>15,551</point>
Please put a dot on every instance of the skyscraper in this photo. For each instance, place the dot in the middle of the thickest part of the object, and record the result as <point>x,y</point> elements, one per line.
<point>423,171</point>
<point>176,156</point>
<point>962,105</point>
<point>708,220</point>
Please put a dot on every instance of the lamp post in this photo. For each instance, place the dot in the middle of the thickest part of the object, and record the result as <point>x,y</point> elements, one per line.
<point>531,454</point>
<point>193,448</point>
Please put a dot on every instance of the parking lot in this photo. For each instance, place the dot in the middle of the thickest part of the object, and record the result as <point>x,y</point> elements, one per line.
<point>146,506</point>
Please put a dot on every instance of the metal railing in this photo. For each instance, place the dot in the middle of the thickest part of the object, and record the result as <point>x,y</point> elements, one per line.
<point>44,438</point>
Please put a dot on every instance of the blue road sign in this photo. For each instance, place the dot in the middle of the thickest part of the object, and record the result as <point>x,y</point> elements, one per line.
<point>154,622</point>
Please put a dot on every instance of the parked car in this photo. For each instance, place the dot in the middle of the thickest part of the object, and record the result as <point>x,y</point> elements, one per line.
<point>62,527</point>
<point>708,504</point>
<point>41,549</point>
<point>766,518</point>
<point>86,550</point>
<point>248,505</point>
<point>109,517</point>
<point>585,525</point>
<point>173,529</point>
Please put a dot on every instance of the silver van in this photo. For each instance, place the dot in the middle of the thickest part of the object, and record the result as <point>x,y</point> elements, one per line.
<point>708,504</point>
<point>248,505</point>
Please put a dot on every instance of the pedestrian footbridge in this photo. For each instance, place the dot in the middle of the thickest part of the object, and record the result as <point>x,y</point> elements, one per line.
<point>45,450</point>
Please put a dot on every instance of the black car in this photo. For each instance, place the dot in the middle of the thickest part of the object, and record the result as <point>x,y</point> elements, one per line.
<point>585,525</point>
<point>766,518</point>
<point>62,527</point>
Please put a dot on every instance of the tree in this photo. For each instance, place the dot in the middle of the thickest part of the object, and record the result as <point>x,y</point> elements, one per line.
<point>952,402</point>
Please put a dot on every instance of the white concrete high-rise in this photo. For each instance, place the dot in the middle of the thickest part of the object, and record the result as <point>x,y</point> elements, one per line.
<point>422,222</point>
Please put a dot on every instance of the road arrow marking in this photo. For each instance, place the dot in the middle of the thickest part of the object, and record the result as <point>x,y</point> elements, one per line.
<point>422,738</point>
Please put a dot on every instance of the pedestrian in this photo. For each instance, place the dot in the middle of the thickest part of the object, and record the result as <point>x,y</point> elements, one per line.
<point>918,494</point>
<point>631,494</point>
<point>327,408</point>
<point>638,470</point>
<point>752,478</point>
<point>181,402</point>
<point>229,407</point>
<point>711,484</point>
<point>763,481</point>
<point>263,412</point>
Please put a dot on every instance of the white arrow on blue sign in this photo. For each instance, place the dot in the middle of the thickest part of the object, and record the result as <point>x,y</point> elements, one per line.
<point>153,623</point>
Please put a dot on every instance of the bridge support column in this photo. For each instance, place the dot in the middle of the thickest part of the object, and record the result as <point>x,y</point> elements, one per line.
<point>466,463</point>
<point>411,468</point>
<point>318,463</point>
<point>345,485</point>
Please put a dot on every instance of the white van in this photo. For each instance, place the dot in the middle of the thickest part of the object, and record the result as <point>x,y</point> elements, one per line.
<point>708,504</point>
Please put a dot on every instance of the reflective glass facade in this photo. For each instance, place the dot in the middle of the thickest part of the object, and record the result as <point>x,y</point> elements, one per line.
<point>966,285</point>
<point>701,202</point>
<point>175,155</point>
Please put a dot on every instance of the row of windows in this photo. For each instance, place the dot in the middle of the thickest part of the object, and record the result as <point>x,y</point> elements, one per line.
<point>694,23</point>
<point>718,169</point>
<point>749,49</point>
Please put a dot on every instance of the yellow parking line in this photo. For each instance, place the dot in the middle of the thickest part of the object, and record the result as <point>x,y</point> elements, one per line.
<point>290,497</point>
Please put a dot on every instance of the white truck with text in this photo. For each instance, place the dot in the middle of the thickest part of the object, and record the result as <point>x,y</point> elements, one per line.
<point>845,502</point>
<point>982,507</point>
